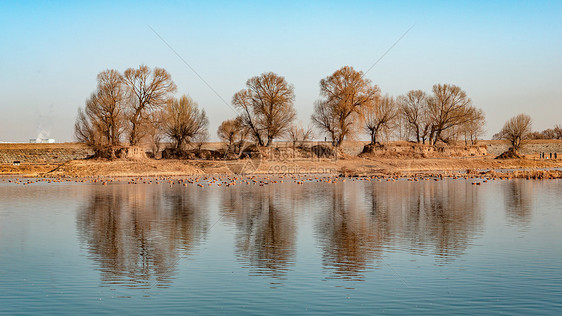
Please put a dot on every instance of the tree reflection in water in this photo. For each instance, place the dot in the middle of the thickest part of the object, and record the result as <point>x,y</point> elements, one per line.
<point>266,227</point>
<point>136,233</point>
<point>350,233</point>
<point>443,216</point>
<point>358,222</point>
<point>518,203</point>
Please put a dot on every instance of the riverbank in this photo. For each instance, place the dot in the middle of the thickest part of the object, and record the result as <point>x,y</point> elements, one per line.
<point>347,167</point>
<point>68,160</point>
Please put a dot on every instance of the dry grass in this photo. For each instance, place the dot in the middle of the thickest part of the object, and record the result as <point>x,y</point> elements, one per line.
<point>351,166</point>
<point>346,165</point>
<point>32,170</point>
<point>120,168</point>
<point>525,174</point>
<point>531,141</point>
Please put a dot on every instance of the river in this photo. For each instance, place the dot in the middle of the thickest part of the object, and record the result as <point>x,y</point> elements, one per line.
<point>361,246</point>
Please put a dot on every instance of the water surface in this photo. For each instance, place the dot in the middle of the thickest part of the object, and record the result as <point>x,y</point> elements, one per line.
<point>355,247</point>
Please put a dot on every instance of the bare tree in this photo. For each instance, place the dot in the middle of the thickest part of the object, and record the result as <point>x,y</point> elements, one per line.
<point>414,110</point>
<point>538,135</point>
<point>546,134</point>
<point>84,129</point>
<point>200,139</point>
<point>557,131</point>
<point>108,105</point>
<point>401,127</point>
<point>232,132</point>
<point>448,108</point>
<point>228,132</point>
<point>342,96</point>
<point>473,128</point>
<point>516,130</point>
<point>148,90</point>
<point>299,134</point>
<point>156,132</point>
<point>101,123</point>
<point>326,119</point>
<point>184,122</point>
<point>379,116</point>
<point>267,107</point>
<point>549,133</point>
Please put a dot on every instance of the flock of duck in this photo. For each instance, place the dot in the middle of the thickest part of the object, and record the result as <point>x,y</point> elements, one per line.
<point>259,180</point>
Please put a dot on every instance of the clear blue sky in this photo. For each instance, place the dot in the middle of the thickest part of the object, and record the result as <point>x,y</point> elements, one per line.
<point>507,55</point>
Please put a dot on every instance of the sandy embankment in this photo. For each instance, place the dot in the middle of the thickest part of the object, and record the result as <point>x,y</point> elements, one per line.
<point>348,167</point>
<point>347,164</point>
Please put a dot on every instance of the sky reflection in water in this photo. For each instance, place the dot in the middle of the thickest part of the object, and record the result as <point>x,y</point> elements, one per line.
<point>393,246</point>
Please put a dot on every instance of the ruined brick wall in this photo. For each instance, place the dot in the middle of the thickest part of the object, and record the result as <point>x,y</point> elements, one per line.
<point>43,153</point>
<point>492,148</point>
<point>531,148</point>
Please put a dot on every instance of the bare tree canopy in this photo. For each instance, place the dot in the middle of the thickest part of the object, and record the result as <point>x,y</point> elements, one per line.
<point>448,108</point>
<point>156,130</point>
<point>232,131</point>
<point>84,129</point>
<point>234,134</point>
<point>227,131</point>
<point>516,130</point>
<point>200,139</point>
<point>267,107</point>
<point>342,96</point>
<point>473,128</point>
<point>299,134</point>
<point>444,116</point>
<point>557,131</point>
<point>414,110</point>
<point>147,90</point>
<point>379,116</point>
<point>549,133</point>
<point>101,123</point>
<point>184,122</point>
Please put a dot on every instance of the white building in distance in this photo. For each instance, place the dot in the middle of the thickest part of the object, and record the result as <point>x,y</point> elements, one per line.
<point>42,140</point>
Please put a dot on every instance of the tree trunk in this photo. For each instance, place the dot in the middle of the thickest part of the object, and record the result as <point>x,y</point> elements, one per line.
<point>436,137</point>
<point>430,138</point>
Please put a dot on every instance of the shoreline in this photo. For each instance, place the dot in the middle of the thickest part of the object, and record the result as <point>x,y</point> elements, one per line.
<point>394,159</point>
<point>346,167</point>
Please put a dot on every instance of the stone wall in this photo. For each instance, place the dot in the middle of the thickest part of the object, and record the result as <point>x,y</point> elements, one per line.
<point>354,148</point>
<point>42,153</point>
<point>493,148</point>
<point>531,148</point>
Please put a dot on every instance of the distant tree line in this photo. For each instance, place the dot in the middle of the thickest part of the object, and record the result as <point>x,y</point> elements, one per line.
<point>138,106</point>
<point>549,133</point>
